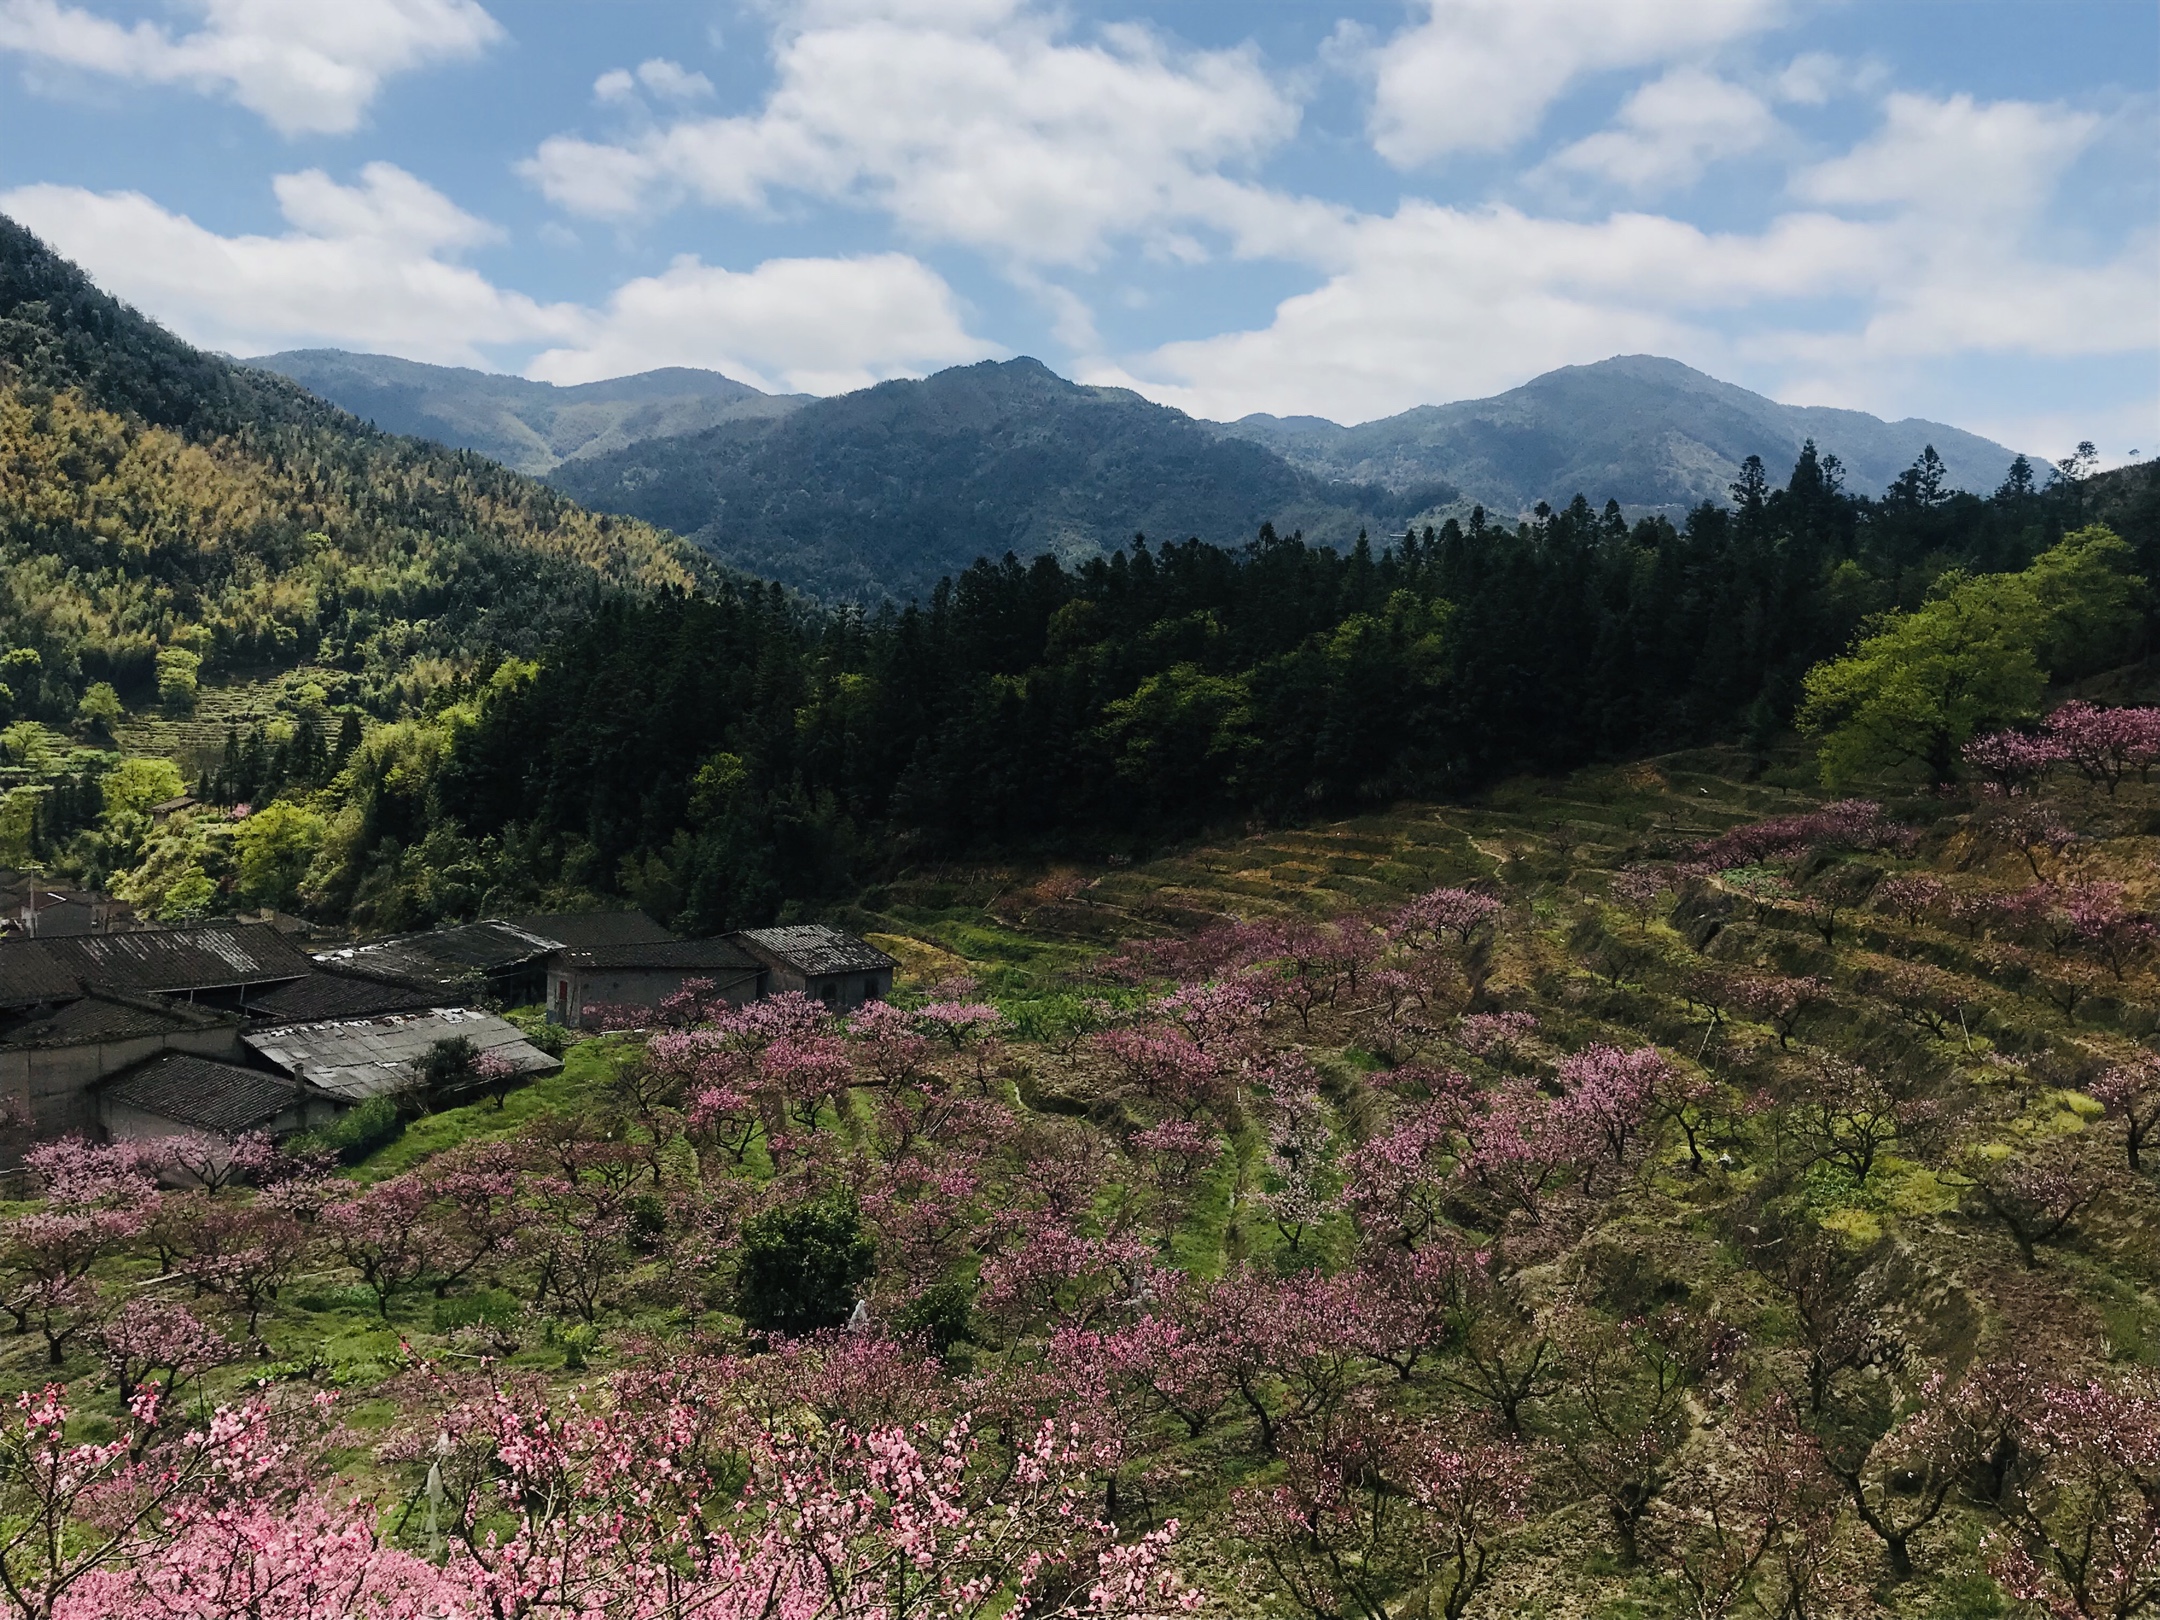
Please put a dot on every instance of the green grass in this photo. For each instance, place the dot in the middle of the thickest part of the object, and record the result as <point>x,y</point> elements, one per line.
<point>586,1067</point>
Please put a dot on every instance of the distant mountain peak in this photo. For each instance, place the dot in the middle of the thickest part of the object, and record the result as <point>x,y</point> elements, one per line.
<point>531,426</point>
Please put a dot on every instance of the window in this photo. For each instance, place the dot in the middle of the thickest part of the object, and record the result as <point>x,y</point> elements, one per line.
<point>829,991</point>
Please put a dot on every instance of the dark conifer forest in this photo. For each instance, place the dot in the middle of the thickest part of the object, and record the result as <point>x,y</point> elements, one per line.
<point>725,755</point>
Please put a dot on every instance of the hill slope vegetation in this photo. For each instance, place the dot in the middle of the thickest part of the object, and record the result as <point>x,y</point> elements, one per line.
<point>154,498</point>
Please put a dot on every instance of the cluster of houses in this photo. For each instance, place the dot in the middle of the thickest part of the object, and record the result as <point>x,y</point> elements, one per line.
<point>227,1027</point>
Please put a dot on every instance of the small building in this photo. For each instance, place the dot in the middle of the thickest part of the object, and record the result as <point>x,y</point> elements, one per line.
<point>644,975</point>
<point>53,1057</point>
<point>44,911</point>
<point>828,964</point>
<point>503,959</point>
<point>351,1060</point>
<point>178,1093</point>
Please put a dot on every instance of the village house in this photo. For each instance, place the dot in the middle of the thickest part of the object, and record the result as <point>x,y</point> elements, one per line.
<point>645,975</point>
<point>827,964</point>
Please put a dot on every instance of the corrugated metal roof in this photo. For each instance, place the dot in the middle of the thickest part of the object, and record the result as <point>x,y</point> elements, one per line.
<point>357,1058</point>
<point>718,955</point>
<point>202,1094</point>
<point>591,930</point>
<point>211,956</point>
<point>444,956</point>
<point>816,948</point>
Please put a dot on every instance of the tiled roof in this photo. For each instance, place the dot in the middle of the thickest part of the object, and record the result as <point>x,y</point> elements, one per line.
<point>198,1092</point>
<point>30,974</point>
<point>107,1017</point>
<point>207,957</point>
<point>444,957</point>
<point>591,930</point>
<point>358,1058</point>
<point>719,955</point>
<point>333,995</point>
<point>815,948</point>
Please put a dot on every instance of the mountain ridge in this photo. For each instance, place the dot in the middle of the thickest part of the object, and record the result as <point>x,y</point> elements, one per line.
<point>1582,429</point>
<point>530,427</point>
<point>783,484</point>
<point>884,491</point>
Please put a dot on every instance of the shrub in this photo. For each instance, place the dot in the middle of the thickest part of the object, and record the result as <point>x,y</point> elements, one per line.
<point>353,1135</point>
<point>802,1268</point>
<point>939,1315</point>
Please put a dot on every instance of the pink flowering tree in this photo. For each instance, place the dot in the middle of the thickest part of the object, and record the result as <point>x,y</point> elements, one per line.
<point>1383,1507</point>
<point>2011,762</point>
<point>2131,1092</point>
<point>2105,745</point>
<point>1443,914</point>
<point>2080,1529</point>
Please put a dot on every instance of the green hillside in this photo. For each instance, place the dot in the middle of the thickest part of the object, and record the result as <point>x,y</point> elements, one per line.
<point>155,498</point>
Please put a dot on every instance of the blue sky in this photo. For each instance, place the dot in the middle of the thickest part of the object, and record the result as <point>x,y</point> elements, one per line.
<point>1937,209</point>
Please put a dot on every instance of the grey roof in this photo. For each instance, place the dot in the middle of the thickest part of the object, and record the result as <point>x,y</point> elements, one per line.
<point>105,1016</point>
<point>197,1092</point>
<point>591,930</point>
<point>210,956</point>
<point>446,958</point>
<point>334,995</point>
<point>716,955</point>
<point>357,1058</point>
<point>815,948</point>
<point>30,974</point>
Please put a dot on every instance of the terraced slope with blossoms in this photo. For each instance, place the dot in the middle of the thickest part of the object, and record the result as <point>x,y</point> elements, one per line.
<point>1659,1191</point>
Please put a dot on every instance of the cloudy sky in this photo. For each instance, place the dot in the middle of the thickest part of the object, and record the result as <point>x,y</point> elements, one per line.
<point>1941,209</point>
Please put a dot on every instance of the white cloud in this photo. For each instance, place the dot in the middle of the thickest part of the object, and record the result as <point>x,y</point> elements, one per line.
<point>979,123</point>
<point>1477,75</point>
<point>371,267</point>
<point>816,326</point>
<point>1956,157</point>
<point>669,81</point>
<point>364,267</point>
<point>1927,244</point>
<point>1671,129</point>
<point>307,66</point>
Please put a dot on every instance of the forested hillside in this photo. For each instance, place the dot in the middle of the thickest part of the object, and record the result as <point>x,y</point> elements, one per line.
<point>156,499</point>
<point>881,493</point>
<point>725,758</point>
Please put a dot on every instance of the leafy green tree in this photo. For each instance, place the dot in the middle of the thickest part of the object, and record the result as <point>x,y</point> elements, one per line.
<point>135,784</point>
<point>275,846</point>
<point>1977,654</point>
<point>177,669</point>
<point>100,710</point>
<point>802,1268</point>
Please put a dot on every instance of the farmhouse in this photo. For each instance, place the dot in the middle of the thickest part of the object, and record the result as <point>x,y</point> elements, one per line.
<point>645,975</point>
<point>827,964</point>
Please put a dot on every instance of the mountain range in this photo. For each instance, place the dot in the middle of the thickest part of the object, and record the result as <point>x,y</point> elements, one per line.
<point>531,427</point>
<point>887,489</point>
